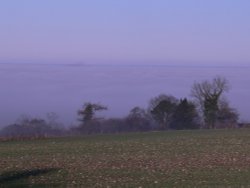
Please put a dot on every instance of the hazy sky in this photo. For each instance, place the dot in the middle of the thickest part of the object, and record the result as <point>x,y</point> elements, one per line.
<point>211,31</point>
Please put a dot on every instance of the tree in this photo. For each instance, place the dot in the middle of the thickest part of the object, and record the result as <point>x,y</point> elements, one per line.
<point>88,112</point>
<point>227,117</point>
<point>208,95</point>
<point>30,127</point>
<point>89,123</point>
<point>138,120</point>
<point>113,125</point>
<point>162,109</point>
<point>185,116</point>
<point>52,120</point>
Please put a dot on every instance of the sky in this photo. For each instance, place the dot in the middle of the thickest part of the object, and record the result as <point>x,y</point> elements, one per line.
<point>128,31</point>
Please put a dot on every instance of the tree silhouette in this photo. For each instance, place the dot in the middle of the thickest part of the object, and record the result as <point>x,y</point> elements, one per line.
<point>208,95</point>
<point>87,114</point>
<point>185,116</point>
<point>162,109</point>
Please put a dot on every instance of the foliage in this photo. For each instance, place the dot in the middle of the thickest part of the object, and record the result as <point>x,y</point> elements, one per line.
<point>31,127</point>
<point>162,109</point>
<point>113,125</point>
<point>185,116</point>
<point>87,114</point>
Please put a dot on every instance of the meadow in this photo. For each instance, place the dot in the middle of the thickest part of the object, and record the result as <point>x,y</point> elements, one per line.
<point>200,158</point>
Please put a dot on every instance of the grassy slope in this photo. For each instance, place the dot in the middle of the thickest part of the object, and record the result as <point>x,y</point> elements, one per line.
<point>159,159</point>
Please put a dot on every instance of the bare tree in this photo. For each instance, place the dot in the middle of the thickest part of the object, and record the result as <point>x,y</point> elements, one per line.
<point>52,120</point>
<point>227,117</point>
<point>28,127</point>
<point>208,95</point>
<point>138,120</point>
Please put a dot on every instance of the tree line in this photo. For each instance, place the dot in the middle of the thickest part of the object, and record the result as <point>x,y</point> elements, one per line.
<point>208,108</point>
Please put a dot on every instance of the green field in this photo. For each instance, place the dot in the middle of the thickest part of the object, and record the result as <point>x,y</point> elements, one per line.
<point>200,158</point>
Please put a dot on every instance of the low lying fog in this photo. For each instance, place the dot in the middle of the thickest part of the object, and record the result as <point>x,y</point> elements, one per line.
<point>34,90</point>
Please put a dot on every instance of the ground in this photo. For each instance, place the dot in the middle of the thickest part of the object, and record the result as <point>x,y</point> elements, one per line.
<point>199,158</point>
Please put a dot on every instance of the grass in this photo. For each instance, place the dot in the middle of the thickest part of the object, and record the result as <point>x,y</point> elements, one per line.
<point>201,158</point>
